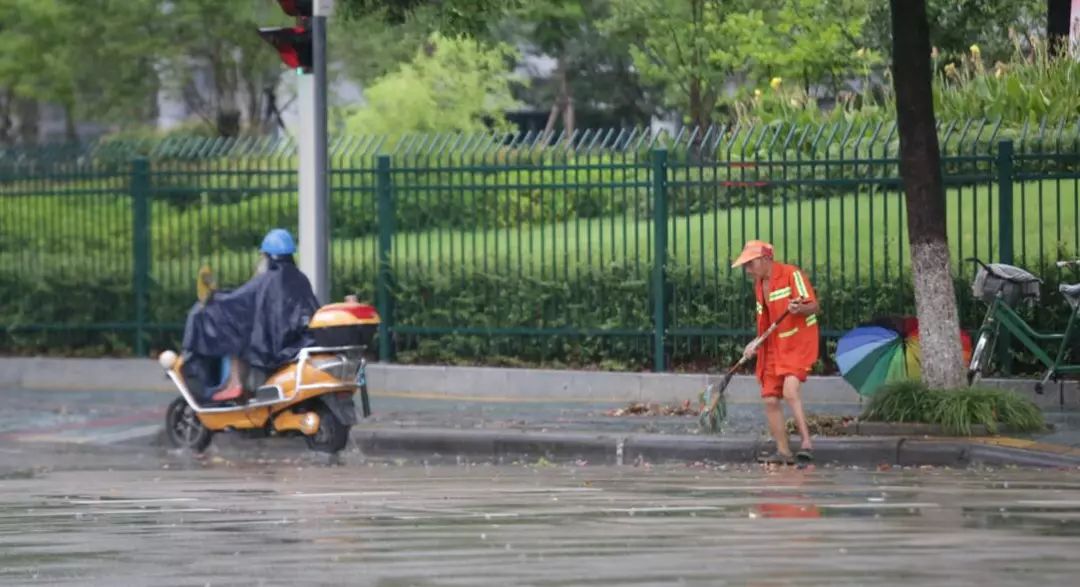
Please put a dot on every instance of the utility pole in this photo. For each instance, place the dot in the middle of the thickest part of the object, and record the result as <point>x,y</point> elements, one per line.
<point>303,48</point>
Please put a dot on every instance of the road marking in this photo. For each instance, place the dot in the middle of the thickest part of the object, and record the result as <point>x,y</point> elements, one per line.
<point>130,501</point>
<point>123,435</point>
<point>549,490</point>
<point>68,513</point>
<point>877,506</point>
<point>344,494</point>
<point>151,511</point>
<point>671,509</point>
<point>1053,502</point>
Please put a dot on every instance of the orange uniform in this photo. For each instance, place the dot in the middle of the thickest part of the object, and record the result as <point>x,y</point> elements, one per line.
<point>792,349</point>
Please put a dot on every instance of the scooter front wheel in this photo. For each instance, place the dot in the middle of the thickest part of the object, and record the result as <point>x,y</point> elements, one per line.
<point>183,428</point>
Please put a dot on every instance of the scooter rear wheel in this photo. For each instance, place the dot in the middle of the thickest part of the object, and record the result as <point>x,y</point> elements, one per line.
<point>332,435</point>
<point>183,428</point>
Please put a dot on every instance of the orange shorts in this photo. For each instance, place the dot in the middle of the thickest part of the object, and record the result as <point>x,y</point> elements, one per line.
<point>773,383</point>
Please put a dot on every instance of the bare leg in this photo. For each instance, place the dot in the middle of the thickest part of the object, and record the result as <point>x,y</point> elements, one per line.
<point>234,372</point>
<point>794,401</point>
<point>775,415</point>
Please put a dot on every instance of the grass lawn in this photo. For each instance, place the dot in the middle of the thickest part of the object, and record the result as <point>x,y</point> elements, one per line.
<point>854,236</point>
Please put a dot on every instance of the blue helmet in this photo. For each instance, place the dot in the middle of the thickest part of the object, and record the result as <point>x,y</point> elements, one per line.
<point>278,242</point>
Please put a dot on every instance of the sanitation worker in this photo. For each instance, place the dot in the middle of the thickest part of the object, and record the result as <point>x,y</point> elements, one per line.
<point>784,358</point>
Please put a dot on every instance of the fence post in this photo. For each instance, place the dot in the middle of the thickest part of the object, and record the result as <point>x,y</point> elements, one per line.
<point>384,192</point>
<point>1005,235</point>
<point>1005,201</point>
<point>140,230</point>
<point>660,256</point>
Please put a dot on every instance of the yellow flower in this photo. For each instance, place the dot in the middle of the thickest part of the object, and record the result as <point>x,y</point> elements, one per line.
<point>860,53</point>
<point>795,103</point>
<point>975,52</point>
<point>950,70</point>
<point>775,83</point>
<point>757,93</point>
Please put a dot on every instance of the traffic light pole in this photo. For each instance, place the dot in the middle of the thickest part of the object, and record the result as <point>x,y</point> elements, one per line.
<point>314,169</point>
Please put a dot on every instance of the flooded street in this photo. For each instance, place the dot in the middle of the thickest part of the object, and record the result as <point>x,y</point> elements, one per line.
<point>130,515</point>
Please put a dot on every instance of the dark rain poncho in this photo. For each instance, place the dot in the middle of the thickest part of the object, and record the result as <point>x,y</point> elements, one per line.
<point>264,322</point>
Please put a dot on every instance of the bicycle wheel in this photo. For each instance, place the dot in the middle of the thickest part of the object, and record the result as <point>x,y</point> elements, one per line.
<point>980,356</point>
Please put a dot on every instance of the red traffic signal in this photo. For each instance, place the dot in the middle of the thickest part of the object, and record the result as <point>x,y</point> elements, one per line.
<point>293,44</point>
<point>296,7</point>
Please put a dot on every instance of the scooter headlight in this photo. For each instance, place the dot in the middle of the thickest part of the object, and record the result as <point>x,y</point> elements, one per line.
<point>167,359</point>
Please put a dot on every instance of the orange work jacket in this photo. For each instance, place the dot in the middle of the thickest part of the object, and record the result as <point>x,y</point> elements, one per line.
<point>793,347</point>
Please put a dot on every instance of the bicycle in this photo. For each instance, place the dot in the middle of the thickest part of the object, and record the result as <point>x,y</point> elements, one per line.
<point>1002,287</point>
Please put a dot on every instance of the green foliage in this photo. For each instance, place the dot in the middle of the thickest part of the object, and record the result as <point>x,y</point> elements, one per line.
<point>955,410</point>
<point>902,402</point>
<point>692,49</point>
<point>957,24</point>
<point>1030,89</point>
<point>672,46</point>
<point>601,81</point>
<point>468,315</point>
<point>805,41</point>
<point>93,57</point>
<point>451,16</point>
<point>459,85</point>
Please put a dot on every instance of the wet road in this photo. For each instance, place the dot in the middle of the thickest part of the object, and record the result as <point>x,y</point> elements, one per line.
<point>107,515</point>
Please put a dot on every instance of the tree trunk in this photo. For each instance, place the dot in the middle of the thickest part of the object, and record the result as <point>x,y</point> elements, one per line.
<point>698,116</point>
<point>29,114</point>
<point>228,123</point>
<point>1058,25</point>
<point>6,124</point>
<point>567,99</point>
<point>71,133</point>
<point>559,104</point>
<point>920,168</point>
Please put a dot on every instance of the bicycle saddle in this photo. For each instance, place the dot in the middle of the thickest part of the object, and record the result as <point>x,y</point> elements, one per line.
<point>1071,292</point>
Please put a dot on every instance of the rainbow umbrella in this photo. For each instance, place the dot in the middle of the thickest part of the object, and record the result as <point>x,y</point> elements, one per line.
<point>883,351</point>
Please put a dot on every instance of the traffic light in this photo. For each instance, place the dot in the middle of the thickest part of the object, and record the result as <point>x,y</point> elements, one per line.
<point>293,43</point>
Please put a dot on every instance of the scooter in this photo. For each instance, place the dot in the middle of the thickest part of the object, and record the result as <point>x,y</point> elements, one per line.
<point>311,396</point>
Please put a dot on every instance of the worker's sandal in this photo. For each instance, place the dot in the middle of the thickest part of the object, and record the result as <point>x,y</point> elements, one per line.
<point>779,458</point>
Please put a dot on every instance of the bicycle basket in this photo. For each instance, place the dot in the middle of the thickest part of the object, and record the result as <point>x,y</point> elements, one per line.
<point>1012,283</point>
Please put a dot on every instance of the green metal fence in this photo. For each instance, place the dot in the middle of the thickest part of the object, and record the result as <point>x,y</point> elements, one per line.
<point>607,248</point>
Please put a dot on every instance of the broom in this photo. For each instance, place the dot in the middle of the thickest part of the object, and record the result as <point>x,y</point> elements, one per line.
<point>713,397</point>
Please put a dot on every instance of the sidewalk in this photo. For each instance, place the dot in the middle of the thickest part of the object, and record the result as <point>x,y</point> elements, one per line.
<point>434,427</point>
<point>584,432</point>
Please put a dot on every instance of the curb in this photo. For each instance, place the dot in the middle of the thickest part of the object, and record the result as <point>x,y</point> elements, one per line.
<point>500,446</point>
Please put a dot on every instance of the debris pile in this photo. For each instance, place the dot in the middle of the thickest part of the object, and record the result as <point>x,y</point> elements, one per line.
<point>655,409</point>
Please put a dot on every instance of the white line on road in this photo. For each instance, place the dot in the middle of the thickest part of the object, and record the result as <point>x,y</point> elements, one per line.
<point>124,435</point>
<point>875,506</point>
<point>549,490</point>
<point>129,501</point>
<point>344,494</point>
<point>673,509</point>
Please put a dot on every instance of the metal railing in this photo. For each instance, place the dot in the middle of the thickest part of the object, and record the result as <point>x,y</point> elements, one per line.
<point>607,247</point>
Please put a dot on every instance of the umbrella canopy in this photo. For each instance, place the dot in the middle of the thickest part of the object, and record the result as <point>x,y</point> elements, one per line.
<point>885,350</point>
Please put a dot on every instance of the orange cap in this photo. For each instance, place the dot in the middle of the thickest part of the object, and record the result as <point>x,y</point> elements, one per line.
<point>753,250</point>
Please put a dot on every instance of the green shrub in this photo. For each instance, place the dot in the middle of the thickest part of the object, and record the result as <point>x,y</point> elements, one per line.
<point>956,410</point>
